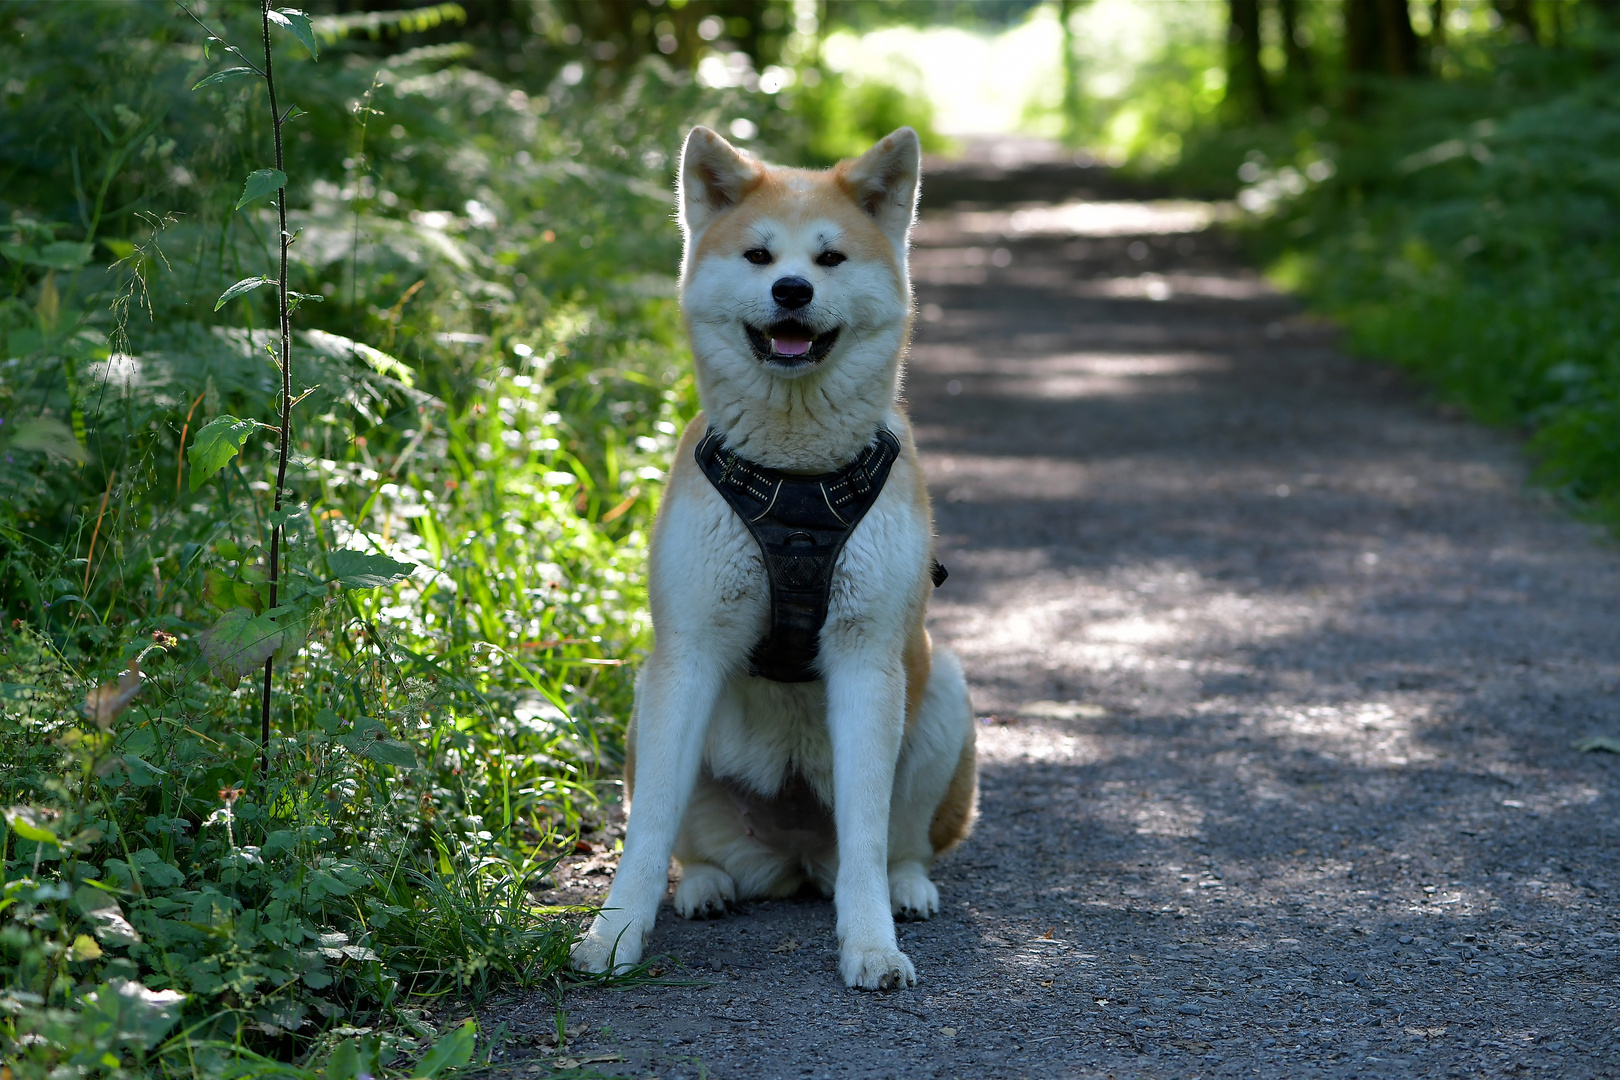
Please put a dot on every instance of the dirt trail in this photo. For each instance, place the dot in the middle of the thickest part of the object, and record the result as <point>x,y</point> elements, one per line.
<point>1280,668</point>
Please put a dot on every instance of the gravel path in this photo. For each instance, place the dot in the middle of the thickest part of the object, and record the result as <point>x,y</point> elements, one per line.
<point>1280,669</point>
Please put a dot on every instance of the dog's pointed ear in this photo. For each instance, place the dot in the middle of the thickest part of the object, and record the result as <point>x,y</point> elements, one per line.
<point>884,182</point>
<point>714,176</point>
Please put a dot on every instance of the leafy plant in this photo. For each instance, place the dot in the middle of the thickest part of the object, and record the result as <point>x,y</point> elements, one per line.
<point>486,395</point>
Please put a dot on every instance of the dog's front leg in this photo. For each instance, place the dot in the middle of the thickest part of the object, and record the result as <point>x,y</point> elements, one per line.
<point>866,718</point>
<point>674,703</point>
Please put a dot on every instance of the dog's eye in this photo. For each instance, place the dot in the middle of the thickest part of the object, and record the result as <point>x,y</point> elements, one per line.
<point>758,256</point>
<point>830,258</point>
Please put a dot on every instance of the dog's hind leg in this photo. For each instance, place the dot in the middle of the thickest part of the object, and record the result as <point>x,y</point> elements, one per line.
<point>926,782</point>
<point>731,847</point>
<point>674,705</point>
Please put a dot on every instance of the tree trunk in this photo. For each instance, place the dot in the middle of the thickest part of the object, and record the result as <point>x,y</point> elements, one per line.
<point>1246,86</point>
<point>1402,56</point>
<point>1378,40</point>
<point>1071,72</point>
<point>1521,16</point>
<point>1299,57</point>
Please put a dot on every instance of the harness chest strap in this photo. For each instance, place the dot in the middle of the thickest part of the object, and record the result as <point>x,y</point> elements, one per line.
<point>801,523</point>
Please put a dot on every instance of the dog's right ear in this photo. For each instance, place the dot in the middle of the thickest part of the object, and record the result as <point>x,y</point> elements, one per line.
<point>714,176</point>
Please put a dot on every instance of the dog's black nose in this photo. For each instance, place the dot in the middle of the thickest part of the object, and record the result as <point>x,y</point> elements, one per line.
<point>792,292</point>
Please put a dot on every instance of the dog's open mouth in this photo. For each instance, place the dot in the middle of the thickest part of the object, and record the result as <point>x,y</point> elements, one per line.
<point>790,343</point>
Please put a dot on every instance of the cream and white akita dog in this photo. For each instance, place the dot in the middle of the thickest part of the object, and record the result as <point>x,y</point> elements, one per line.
<point>855,775</point>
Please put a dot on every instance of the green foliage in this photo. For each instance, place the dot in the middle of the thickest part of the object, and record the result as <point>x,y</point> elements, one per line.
<point>492,385</point>
<point>833,120</point>
<point>219,441</point>
<point>260,183</point>
<point>1467,232</point>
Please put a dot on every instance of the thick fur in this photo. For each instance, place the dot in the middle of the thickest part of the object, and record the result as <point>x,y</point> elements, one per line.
<point>854,783</point>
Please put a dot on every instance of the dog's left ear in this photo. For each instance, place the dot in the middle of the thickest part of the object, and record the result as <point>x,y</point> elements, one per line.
<point>884,182</point>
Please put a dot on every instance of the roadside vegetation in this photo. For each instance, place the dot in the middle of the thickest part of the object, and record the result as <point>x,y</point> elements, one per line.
<point>330,435</point>
<point>320,590</point>
<point>1437,176</point>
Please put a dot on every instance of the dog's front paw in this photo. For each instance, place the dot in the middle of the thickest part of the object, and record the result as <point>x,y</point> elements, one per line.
<point>911,894</point>
<point>704,891</point>
<point>607,945</point>
<point>876,968</point>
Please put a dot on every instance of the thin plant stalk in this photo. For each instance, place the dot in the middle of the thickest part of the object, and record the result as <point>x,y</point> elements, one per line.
<point>285,362</point>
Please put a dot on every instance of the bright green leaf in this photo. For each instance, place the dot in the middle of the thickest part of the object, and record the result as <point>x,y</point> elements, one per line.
<point>451,1052</point>
<point>29,824</point>
<point>259,184</point>
<point>215,445</point>
<point>358,570</point>
<point>297,22</point>
<point>223,76</point>
<point>245,285</point>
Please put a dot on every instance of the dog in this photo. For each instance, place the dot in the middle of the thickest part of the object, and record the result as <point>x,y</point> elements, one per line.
<point>794,726</point>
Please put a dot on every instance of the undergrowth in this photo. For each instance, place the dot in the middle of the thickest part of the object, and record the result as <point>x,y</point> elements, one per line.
<point>486,337</point>
<point>1466,229</point>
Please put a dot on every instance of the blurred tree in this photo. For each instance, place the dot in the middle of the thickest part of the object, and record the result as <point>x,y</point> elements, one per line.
<point>1248,93</point>
<point>1521,16</point>
<point>1073,117</point>
<point>620,33</point>
<point>863,15</point>
<point>1378,40</point>
<point>1298,54</point>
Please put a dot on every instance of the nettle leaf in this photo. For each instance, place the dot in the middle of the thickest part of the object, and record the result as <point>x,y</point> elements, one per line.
<point>259,184</point>
<point>219,441</point>
<point>297,22</point>
<point>224,76</point>
<point>238,643</point>
<point>389,752</point>
<point>247,284</point>
<point>359,570</point>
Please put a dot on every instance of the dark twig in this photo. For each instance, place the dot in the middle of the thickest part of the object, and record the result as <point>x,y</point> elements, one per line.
<point>286,392</point>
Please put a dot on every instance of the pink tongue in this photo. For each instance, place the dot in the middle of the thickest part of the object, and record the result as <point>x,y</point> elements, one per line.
<point>789,346</point>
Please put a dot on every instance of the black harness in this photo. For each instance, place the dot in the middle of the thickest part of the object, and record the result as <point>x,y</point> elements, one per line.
<point>801,524</point>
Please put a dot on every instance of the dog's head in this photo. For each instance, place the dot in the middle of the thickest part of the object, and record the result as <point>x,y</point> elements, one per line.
<point>791,272</point>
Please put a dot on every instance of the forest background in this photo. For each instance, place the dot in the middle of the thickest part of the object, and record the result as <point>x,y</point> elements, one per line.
<point>331,428</point>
